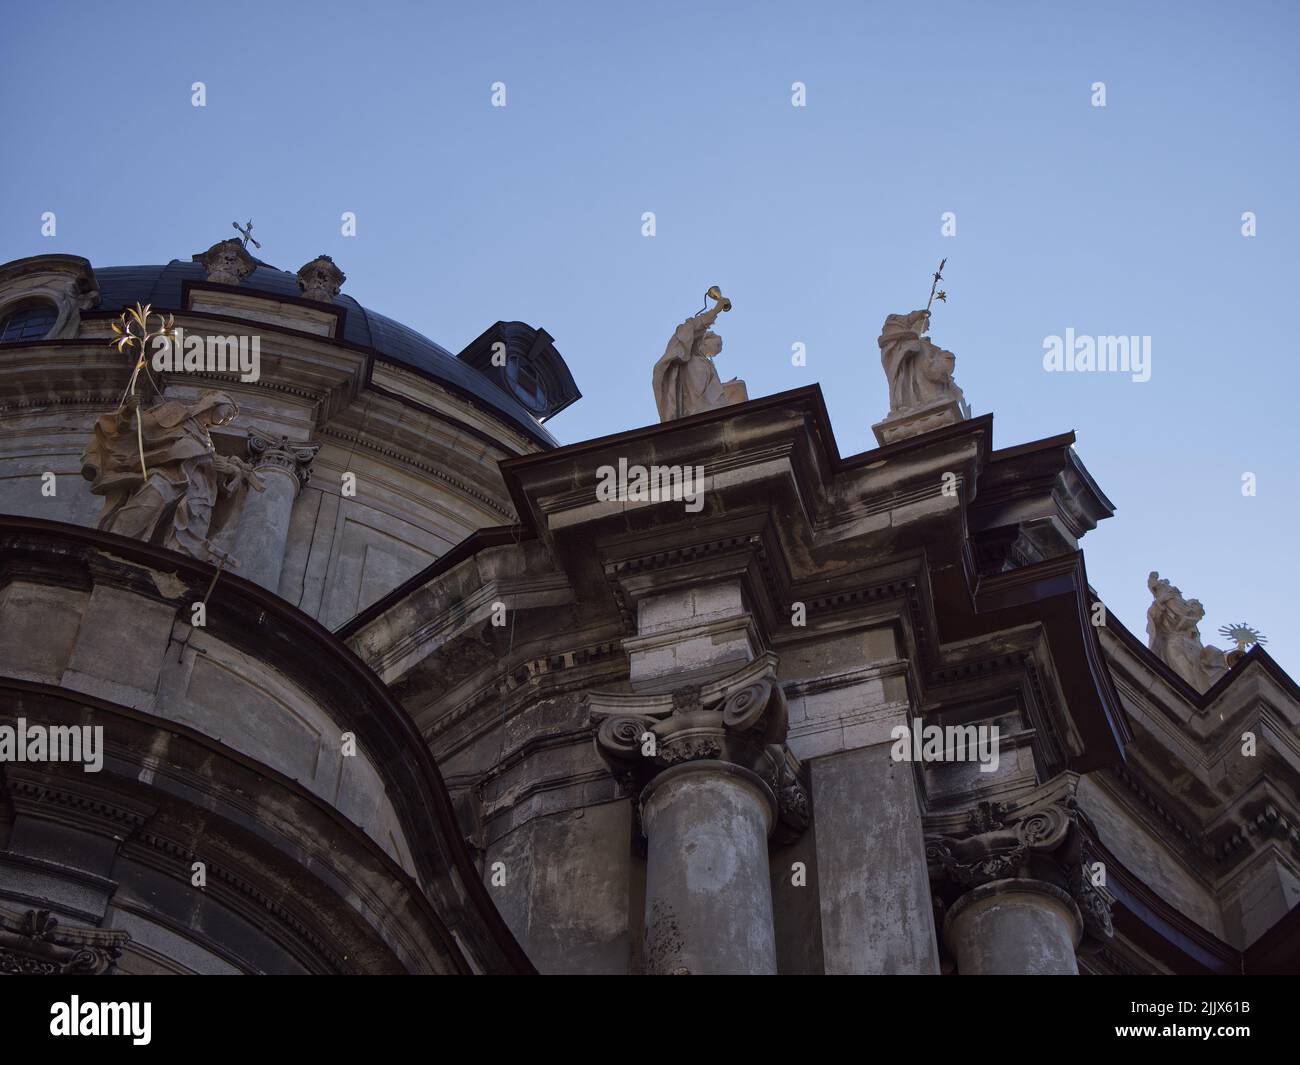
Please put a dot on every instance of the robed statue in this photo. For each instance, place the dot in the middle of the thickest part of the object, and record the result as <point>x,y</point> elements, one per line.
<point>1172,633</point>
<point>919,372</point>
<point>685,380</point>
<point>190,493</point>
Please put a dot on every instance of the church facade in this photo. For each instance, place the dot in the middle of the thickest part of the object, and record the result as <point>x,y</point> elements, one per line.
<point>319,655</point>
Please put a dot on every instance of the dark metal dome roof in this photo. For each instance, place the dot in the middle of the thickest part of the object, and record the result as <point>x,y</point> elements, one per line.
<point>121,286</point>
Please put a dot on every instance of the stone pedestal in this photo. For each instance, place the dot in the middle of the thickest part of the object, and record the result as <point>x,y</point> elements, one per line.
<point>264,522</point>
<point>1014,927</point>
<point>708,902</point>
<point>735,392</point>
<point>919,420</point>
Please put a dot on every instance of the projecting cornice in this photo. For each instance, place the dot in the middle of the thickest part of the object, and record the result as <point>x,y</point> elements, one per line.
<point>884,535</point>
<point>1041,494</point>
<point>881,538</point>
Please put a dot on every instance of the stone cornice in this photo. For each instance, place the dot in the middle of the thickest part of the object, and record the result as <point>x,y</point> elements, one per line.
<point>440,473</point>
<point>173,858</point>
<point>507,693</point>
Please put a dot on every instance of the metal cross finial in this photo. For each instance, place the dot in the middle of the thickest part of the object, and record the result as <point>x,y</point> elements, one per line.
<point>247,233</point>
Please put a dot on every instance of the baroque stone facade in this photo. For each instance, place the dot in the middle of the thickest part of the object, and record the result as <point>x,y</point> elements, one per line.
<point>449,708</point>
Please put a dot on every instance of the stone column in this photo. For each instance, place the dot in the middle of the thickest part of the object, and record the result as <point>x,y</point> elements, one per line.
<point>1022,894</point>
<point>1014,927</point>
<point>713,781</point>
<point>708,905</point>
<point>264,522</point>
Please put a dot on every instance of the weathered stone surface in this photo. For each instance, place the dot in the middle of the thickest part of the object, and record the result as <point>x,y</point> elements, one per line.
<point>1014,928</point>
<point>708,903</point>
<point>568,889</point>
<point>320,279</point>
<point>876,915</point>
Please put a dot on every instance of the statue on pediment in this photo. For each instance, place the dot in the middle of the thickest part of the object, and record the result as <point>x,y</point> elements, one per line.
<point>922,394</point>
<point>685,380</point>
<point>919,372</point>
<point>1173,634</point>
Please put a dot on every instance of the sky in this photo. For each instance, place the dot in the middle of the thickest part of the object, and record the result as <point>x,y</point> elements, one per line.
<point>816,220</point>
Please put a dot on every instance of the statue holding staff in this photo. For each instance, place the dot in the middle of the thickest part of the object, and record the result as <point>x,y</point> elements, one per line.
<point>191,492</point>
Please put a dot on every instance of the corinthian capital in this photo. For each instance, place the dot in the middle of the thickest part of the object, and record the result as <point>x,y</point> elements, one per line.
<point>272,454</point>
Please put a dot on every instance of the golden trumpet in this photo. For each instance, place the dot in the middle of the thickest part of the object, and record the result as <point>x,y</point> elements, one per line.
<point>715,293</point>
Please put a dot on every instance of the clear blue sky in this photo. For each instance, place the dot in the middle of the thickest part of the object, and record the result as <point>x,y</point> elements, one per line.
<point>817,221</point>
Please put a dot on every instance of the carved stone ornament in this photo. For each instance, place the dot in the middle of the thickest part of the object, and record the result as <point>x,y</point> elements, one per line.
<point>320,279</point>
<point>740,719</point>
<point>192,492</point>
<point>36,945</point>
<point>1044,838</point>
<point>269,453</point>
<point>685,380</point>
<point>227,262</point>
<point>1174,635</point>
<point>1093,903</point>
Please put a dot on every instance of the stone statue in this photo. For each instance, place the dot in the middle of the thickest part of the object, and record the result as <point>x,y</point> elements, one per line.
<point>1172,634</point>
<point>685,379</point>
<point>74,296</point>
<point>192,492</point>
<point>922,393</point>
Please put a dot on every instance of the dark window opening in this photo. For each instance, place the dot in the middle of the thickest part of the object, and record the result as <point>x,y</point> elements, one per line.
<point>527,384</point>
<point>31,322</point>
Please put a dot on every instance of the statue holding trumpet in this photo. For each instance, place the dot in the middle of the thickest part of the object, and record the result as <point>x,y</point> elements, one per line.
<point>685,380</point>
